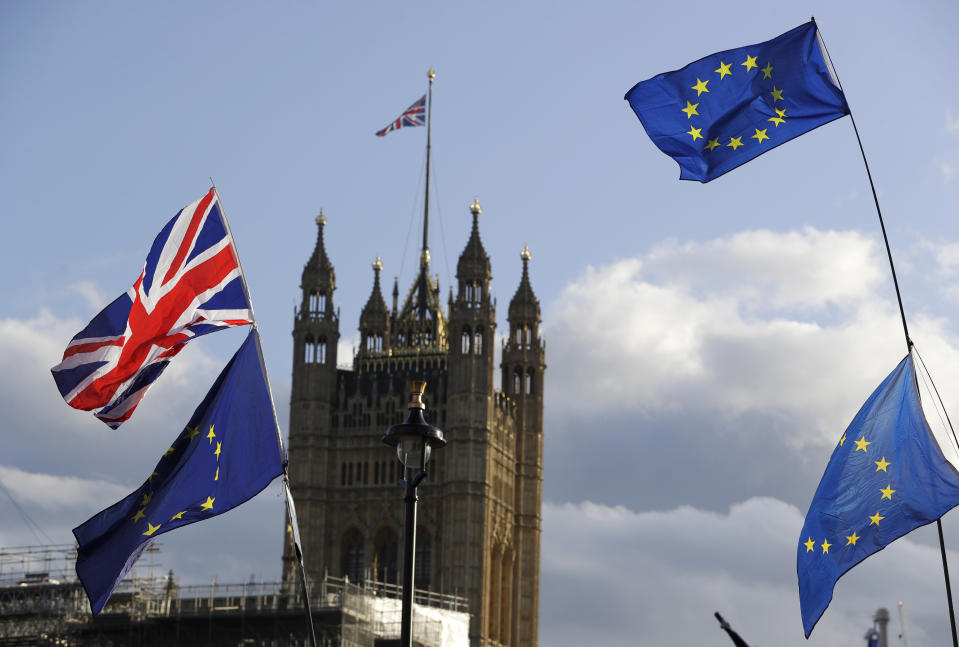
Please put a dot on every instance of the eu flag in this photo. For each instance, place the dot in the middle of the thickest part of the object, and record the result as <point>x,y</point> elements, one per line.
<point>728,108</point>
<point>886,477</point>
<point>227,453</point>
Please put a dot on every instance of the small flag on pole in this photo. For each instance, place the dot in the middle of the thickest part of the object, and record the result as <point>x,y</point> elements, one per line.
<point>728,108</point>
<point>886,477</point>
<point>191,285</point>
<point>415,115</point>
<point>227,453</point>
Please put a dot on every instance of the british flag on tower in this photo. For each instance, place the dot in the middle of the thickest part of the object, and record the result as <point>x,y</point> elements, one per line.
<point>415,115</point>
<point>191,285</point>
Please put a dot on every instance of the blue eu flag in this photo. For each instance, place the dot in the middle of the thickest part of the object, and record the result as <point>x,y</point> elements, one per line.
<point>227,453</point>
<point>886,477</point>
<point>730,107</point>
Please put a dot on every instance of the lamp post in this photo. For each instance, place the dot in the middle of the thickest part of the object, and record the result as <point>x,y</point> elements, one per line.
<point>414,440</point>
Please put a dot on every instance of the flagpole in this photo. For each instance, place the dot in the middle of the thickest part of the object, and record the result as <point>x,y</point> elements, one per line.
<point>902,311</point>
<point>276,423</point>
<point>426,201</point>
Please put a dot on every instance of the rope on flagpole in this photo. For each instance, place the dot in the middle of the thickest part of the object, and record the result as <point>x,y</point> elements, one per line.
<point>902,314</point>
<point>291,510</point>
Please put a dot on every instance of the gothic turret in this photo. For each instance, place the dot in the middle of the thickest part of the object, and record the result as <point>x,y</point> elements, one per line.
<point>317,327</point>
<point>375,318</point>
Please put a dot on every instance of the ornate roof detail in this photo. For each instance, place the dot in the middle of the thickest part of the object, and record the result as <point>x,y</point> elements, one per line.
<point>375,316</point>
<point>524,306</point>
<point>474,263</point>
<point>319,269</point>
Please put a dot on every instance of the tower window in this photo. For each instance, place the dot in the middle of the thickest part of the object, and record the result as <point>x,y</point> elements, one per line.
<point>320,352</point>
<point>478,342</point>
<point>529,381</point>
<point>317,304</point>
<point>309,350</point>
<point>353,557</point>
<point>519,336</point>
<point>517,382</point>
<point>465,342</point>
<point>528,333</point>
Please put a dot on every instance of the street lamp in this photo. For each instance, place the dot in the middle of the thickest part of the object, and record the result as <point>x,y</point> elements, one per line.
<point>414,440</point>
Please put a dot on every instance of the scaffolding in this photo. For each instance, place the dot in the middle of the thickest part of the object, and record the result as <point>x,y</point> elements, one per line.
<point>43,603</point>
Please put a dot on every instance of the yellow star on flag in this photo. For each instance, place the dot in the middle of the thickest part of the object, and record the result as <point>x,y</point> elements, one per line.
<point>810,544</point>
<point>882,464</point>
<point>690,109</point>
<point>713,143</point>
<point>700,87</point>
<point>760,135</point>
<point>208,504</point>
<point>723,70</point>
<point>875,519</point>
<point>216,477</point>
<point>767,71</point>
<point>695,133</point>
<point>169,451</point>
<point>825,546</point>
<point>735,142</point>
<point>852,539</point>
<point>217,452</point>
<point>750,62</point>
<point>862,443</point>
<point>886,493</point>
<point>178,515</point>
<point>139,515</point>
<point>151,529</point>
<point>146,498</point>
<point>842,440</point>
<point>781,113</point>
<point>192,432</point>
<point>150,480</point>
<point>777,121</point>
<point>211,435</point>
<point>777,94</point>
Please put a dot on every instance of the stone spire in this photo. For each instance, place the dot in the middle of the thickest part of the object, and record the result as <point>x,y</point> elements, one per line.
<point>524,307</point>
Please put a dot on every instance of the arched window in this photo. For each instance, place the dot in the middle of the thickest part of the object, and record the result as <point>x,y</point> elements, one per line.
<point>320,353</point>
<point>385,555</point>
<point>423,563</point>
<point>529,381</point>
<point>478,342</point>
<point>317,303</point>
<point>528,333</point>
<point>309,350</point>
<point>353,557</point>
<point>519,335</point>
<point>517,381</point>
<point>465,341</point>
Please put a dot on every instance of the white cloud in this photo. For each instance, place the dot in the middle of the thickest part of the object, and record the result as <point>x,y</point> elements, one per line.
<point>92,295</point>
<point>952,123</point>
<point>785,324</point>
<point>612,576</point>
<point>947,169</point>
<point>53,492</point>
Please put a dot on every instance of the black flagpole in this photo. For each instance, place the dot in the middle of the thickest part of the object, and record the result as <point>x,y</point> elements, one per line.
<point>426,200</point>
<point>902,314</point>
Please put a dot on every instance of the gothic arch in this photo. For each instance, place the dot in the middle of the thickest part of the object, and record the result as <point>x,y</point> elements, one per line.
<point>353,561</point>
<point>386,555</point>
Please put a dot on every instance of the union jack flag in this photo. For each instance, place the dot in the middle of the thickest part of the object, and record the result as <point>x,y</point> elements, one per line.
<point>191,285</point>
<point>415,115</point>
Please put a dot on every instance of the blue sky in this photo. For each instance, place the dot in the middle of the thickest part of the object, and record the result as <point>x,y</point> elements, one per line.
<point>706,344</point>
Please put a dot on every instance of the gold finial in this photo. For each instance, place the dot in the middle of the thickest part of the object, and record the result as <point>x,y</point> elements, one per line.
<point>431,74</point>
<point>320,218</point>
<point>525,254</point>
<point>377,264</point>
<point>425,257</point>
<point>416,394</point>
<point>475,208</point>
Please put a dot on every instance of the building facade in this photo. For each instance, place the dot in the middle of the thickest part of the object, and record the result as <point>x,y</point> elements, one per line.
<point>479,522</point>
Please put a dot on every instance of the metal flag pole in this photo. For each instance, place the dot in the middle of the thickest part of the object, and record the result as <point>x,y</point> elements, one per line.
<point>291,510</point>
<point>902,311</point>
<point>426,201</point>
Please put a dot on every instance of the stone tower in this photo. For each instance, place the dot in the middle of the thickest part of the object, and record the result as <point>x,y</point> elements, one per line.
<point>478,531</point>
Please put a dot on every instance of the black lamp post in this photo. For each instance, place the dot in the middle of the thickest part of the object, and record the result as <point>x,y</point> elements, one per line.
<point>414,441</point>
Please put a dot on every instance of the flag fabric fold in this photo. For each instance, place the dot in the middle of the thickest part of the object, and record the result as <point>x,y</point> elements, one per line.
<point>227,453</point>
<point>886,477</point>
<point>191,285</point>
<point>728,108</point>
<point>415,115</point>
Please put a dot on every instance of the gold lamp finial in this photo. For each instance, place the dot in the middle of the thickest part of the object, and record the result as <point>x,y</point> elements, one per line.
<point>417,387</point>
<point>525,254</point>
<point>320,218</point>
<point>475,208</point>
<point>431,74</point>
<point>377,264</point>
